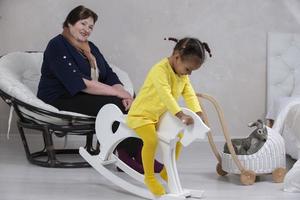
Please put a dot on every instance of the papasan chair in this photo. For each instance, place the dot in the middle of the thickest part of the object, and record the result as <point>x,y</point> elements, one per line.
<point>19,78</point>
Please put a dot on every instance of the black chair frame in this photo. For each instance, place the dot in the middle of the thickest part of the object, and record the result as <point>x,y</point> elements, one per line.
<point>75,125</point>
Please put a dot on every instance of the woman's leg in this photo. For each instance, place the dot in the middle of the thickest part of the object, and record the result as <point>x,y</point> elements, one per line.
<point>127,151</point>
<point>86,103</point>
<point>90,105</point>
<point>150,140</point>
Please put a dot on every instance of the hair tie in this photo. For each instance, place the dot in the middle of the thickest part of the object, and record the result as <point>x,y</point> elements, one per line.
<point>206,47</point>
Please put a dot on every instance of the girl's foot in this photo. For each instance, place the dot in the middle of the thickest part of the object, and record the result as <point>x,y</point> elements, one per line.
<point>154,186</point>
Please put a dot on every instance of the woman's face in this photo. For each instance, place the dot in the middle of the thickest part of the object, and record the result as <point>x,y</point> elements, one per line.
<point>82,29</point>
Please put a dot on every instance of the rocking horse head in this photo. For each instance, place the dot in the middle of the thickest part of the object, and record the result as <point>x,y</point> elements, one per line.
<point>170,126</point>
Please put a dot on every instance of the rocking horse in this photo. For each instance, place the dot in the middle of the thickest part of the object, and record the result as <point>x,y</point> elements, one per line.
<point>168,129</point>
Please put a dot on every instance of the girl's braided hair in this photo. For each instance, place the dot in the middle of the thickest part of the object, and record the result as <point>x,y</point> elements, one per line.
<point>191,47</point>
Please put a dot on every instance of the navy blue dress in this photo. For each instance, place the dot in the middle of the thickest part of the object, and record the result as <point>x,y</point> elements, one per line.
<point>64,68</point>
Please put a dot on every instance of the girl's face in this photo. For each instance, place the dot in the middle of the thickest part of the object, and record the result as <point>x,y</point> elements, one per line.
<point>82,29</point>
<point>186,66</point>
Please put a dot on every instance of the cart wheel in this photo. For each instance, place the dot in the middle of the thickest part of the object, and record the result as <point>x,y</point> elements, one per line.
<point>278,175</point>
<point>220,171</point>
<point>248,177</point>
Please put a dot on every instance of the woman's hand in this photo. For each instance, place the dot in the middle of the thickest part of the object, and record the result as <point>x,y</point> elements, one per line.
<point>98,88</point>
<point>186,119</point>
<point>121,92</point>
<point>127,103</point>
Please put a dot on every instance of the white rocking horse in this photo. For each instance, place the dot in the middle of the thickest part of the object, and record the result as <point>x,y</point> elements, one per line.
<point>168,130</point>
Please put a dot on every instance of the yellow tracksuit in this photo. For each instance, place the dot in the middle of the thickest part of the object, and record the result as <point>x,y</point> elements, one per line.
<point>159,93</point>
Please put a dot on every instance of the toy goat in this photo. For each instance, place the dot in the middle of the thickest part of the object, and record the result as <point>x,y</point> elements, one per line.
<point>251,144</point>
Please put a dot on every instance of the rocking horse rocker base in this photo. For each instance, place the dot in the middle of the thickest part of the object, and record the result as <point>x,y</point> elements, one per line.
<point>168,130</point>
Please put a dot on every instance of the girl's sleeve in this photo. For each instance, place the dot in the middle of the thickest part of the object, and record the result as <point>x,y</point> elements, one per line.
<point>64,68</point>
<point>160,82</point>
<point>190,97</point>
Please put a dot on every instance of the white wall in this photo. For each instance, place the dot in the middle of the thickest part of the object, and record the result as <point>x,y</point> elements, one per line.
<point>130,34</point>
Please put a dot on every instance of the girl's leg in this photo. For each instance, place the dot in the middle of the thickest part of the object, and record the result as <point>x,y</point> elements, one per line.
<point>138,157</point>
<point>150,140</point>
<point>163,172</point>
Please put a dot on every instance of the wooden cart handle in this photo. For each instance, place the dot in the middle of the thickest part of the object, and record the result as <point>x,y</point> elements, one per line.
<point>224,129</point>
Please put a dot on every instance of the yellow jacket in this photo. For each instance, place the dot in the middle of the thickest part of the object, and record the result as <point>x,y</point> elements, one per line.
<point>160,93</point>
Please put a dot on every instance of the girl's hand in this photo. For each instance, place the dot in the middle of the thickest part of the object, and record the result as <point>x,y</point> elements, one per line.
<point>200,114</point>
<point>127,103</point>
<point>186,119</point>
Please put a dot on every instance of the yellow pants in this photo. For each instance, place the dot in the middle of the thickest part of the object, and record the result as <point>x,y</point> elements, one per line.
<point>150,141</point>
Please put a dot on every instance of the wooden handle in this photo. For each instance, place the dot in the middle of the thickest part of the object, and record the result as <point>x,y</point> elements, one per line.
<point>224,129</point>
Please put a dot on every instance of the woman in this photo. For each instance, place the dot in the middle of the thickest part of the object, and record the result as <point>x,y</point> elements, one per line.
<point>76,77</point>
<point>75,73</point>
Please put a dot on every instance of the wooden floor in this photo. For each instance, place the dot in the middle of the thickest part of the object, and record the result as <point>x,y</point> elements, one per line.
<point>20,180</point>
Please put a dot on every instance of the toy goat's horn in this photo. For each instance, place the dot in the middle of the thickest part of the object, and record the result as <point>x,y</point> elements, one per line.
<point>251,124</point>
<point>260,123</point>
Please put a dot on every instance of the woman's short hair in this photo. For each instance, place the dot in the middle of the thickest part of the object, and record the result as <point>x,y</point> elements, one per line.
<point>79,13</point>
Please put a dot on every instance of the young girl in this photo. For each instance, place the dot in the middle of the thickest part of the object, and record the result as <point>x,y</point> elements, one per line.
<point>165,83</point>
